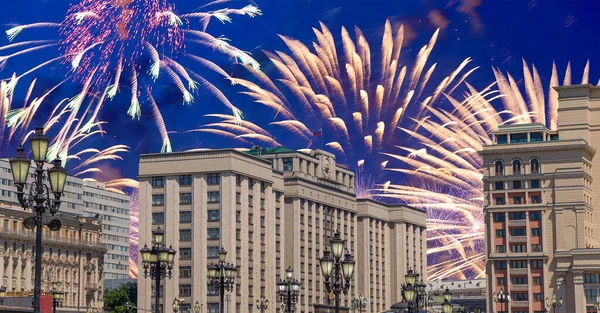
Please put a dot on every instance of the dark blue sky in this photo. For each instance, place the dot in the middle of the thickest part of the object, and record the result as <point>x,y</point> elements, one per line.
<point>493,33</point>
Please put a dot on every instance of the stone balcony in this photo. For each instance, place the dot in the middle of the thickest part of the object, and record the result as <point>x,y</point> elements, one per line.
<point>517,223</point>
<point>519,304</point>
<point>517,239</point>
<point>518,271</point>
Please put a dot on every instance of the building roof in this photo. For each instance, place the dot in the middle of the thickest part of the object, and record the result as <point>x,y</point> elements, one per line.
<point>262,151</point>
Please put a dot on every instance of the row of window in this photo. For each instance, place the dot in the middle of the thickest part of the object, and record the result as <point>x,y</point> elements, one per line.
<point>513,216</point>
<point>520,280</point>
<point>535,232</point>
<point>186,216</point>
<point>519,248</point>
<point>535,264</point>
<point>517,184</point>
<point>186,234</point>
<point>500,200</point>
<point>516,167</point>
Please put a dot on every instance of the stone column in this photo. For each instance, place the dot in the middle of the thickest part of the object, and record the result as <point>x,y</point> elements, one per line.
<point>199,250</point>
<point>579,294</point>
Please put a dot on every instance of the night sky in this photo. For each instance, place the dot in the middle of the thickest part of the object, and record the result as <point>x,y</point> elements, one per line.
<point>493,33</point>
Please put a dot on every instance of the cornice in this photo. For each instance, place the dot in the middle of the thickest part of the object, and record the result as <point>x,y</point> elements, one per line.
<point>543,146</point>
<point>197,155</point>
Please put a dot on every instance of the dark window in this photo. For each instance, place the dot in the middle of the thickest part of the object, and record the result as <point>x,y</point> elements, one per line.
<point>185,180</point>
<point>213,252</point>
<point>516,216</point>
<point>288,164</point>
<point>185,217</point>
<point>185,290</point>
<point>502,139</point>
<point>263,186</point>
<point>213,197</point>
<point>213,215</point>
<point>185,198</point>
<point>499,168</point>
<point>536,247</point>
<point>158,181</point>
<point>185,253</point>
<point>500,265</point>
<point>501,281</point>
<point>499,200</point>
<point>536,199</point>
<point>538,280</point>
<point>537,264</point>
<point>590,277</point>
<point>250,183</point>
<point>520,296</point>
<point>238,197</point>
<point>535,183</point>
<point>213,233</point>
<point>250,201</point>
<point>518,248</point>
<point>519,280</point>
<point>518,264</point>
<point>500,233</point>
<point>238,179</point>
<point>518,138</point>
<point>158,199</point>
<point>499,185</point>
<point>499,217</point>
<point>591,295</point>
<point>516,165</point>
<point>518,232</point>
<point>554,137</point>
<point>185,235</point>
<point>213,178</point>
<point>500,249</point>
<point>185,271</point>
<point>535,137</point>
<point>517,184</point>
<point>535,166</point>
<point>518,200</point>
<point>536,232</point>
<point>536,215</point>
<point>158,217</point>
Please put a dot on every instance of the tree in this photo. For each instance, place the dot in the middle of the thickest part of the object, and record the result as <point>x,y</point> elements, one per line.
<point>116,299</point>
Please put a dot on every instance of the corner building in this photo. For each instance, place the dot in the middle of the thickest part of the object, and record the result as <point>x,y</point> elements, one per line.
<point>270,209</point>
<point>540,198</point>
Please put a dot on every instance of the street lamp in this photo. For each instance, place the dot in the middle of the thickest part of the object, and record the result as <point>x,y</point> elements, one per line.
<point>197,307</point>
<point>446,306</point>
<point>477,309</point>
<point>176,303</point>
<point>501,298</point>
<point>262,304</point>
<point>414,291</point>
<point>553,302</point>
<point>38,197</point>
<point>337,271</point>
<point>597,305</point>
<point>158,262</point>
<point>2,295</point>
<point>289,291</point>
<point>57,297</point>
<point>221,276</point>
<point>360,303</point>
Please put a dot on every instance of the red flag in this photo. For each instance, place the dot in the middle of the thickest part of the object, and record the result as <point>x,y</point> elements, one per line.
<point>318,133</point>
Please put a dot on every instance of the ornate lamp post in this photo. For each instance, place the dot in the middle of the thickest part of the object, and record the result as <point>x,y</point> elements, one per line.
<point>57,297</point>
<point>501,298</point>
<point>553,302</point>
<point>262,304</point>
<point>197,307</point>
<point>289,291</point>
<point>337,271</point>
<point>360,303</point>
<point>446,305</point>
<point>221,276</point>
<point>176,303</point>
<point>476,309</point>
<point>38,198</point>
<point>2,295</point>
<point>414,292</point>
<point>158,262</point>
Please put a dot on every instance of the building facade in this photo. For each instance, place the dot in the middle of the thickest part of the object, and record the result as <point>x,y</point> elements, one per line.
<point>73,257</point>
<point>89,198</point>
<point>467,294</point>
<point>540,198</point>
<point>270,209</point>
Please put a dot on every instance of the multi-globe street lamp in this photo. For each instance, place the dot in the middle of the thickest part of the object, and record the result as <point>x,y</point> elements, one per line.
<point>289,291</point>
<point>38,198</point>
<point>57,297</point>
<point>158,262</point>
<point>262,304</point>
<point>414,291</point>
<point>337,271</point>
<point>360,303</point>
<point>197,307</point>
<point>447,305</point>
<point>221,277</point>
<point>501,298</point>
<point>553,302</point>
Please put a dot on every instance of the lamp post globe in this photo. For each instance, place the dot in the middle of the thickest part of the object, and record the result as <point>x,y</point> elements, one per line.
<point>337,269</point>
<point>158,262</point>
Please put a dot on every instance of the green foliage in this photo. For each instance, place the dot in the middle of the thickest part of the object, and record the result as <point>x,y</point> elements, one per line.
<point>116,299</point>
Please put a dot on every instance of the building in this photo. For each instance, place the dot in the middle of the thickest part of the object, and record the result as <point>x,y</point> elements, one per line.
<point>270,209</point>
<point>540,198</point>
<point>466,294</point>
<point>72,256</point>
<point>91,199</point>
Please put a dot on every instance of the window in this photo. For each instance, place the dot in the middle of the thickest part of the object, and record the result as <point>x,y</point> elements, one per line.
<point>517,216</point>
<point>536,247</point>
<point>500,265</point>
<point>213,215</point>
<point>185,253</point>
<point>185,180</point>
<point>158,217</point>
<point>518,232</point>
<point>213,178</point>
<point>516,165</point>
<point>499,217</point>
<point>185,217</point>
<point>538,280</point>
<point>185,290</point>
<point>517,200</point>
<point>536,216</point>
<point>518,138</point>
<point>502,139</point>
<point>500,249</point>
<point>212,252</point>
<point>158,181</point>
<point>590,277</point>
<point>212,308</point>
<point>499,200</point>
<point>238,198</point>
<point>500,233</point>
<point>553,137</point>
<point>518,248</point>
<point>537,264</point>
<point>519,280</point>
<point>499,168</point>
<point>535,137</point>
<point>213,197</point>
<point>158,199</point>
<point>518,264</point>
<point>185,198</point>
<point>263,186</point>
<point>535,183</point>
<point>288,164</point>
<point>500,281</point>
<point>185,271</point>
<point>591,296</point>
<point>516,184</point>
<point>538,297</point>
<point>535,166</point>
<point>536,232</point>
<point>499,185</point>
<point>213,233</point>
<point>536,199</point>
<point>250,201</point>
<point>185,235</point>
<point>250,183</point>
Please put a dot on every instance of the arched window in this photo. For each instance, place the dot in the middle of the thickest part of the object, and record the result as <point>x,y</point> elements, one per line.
<point>499,168</point>
<point>516,167</point>
<point>535,166</point>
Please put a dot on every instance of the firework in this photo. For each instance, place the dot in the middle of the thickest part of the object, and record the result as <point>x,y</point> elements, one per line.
<point>107,45</point>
